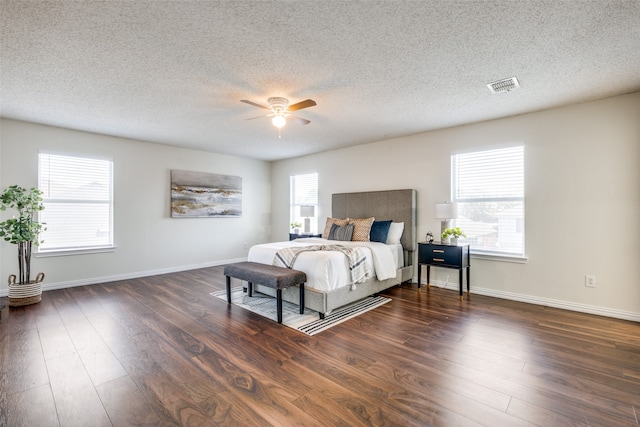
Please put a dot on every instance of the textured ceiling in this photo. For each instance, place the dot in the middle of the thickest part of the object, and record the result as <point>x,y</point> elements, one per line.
<point>174,72</point>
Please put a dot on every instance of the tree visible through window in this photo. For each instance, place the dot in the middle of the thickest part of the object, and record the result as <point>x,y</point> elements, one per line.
<point>78,202</point>
<point>304,193</point>
<point>489,189</point>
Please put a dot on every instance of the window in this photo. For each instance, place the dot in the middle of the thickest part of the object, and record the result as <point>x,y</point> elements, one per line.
<point>304,194</point>
<point>78,202</point>
<point>489,189</point>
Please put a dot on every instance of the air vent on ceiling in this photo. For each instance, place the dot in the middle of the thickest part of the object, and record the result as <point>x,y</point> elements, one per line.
<point>504,85</point>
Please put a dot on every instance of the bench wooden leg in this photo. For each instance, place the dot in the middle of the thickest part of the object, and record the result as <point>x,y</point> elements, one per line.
<point>301,298</point>
<point>279,304</point>
<point>250,289</point>
<point>228,289</point>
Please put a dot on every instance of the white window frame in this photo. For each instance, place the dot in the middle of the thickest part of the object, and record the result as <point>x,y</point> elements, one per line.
<point>511,193</point>
<point>297,199</point>
<point>71,249</point>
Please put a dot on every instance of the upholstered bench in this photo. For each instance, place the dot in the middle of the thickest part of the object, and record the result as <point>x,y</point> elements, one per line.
<point>271,276</point>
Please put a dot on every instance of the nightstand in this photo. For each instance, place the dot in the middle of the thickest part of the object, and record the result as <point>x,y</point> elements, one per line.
<point>293,236</point>
<point>447,256</point>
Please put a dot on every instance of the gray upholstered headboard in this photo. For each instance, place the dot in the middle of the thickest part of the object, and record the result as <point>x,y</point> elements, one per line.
<point>397,205</point>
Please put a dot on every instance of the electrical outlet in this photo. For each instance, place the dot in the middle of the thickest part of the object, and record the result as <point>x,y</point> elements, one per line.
<point>590,281</point>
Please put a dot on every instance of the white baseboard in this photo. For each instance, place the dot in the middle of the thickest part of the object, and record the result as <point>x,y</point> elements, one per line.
<point>126,276</point>
<point>566,305</point>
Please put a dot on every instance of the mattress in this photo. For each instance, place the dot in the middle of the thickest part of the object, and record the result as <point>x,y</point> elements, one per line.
<point>329,270</point>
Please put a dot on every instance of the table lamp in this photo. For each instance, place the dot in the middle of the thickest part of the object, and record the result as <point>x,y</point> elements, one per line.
<point>446,212</point>
<point>306,212</point>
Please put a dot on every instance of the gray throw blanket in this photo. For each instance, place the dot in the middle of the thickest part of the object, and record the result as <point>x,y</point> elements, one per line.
<point>360,271</point>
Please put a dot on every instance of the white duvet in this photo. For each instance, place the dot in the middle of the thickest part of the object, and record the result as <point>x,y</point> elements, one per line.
<point>329,270</point>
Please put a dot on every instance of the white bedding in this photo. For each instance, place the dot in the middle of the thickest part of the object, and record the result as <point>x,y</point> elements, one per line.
<point>327,270</point>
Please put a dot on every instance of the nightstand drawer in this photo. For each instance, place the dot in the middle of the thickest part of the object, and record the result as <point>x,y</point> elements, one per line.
<point>439,254</point>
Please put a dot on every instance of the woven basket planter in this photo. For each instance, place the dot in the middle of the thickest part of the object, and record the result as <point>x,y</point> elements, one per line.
<point>26,293</point>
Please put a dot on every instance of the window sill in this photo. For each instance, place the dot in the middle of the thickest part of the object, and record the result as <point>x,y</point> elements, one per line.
<point>499,257</point>
<point>74,251</point>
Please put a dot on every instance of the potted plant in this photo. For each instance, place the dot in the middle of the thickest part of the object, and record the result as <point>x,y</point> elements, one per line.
<point>455,234</point>
<point>23,230</point>
<point>295,227</point>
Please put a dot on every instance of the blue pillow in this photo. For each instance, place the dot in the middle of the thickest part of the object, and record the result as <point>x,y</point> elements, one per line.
<point>379,231</point>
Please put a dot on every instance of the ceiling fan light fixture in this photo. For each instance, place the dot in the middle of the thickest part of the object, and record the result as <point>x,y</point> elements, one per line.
<point>279,110</point>
<point>279,120</point>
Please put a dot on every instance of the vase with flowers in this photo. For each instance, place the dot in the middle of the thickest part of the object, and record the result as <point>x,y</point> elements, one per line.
<point>451,235</point>
<point>295,227</point>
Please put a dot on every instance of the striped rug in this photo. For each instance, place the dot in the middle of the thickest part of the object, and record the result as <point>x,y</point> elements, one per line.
<point>309,322</point>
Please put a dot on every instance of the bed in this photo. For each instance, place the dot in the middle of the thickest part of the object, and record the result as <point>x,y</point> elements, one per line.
<point>330,286</point>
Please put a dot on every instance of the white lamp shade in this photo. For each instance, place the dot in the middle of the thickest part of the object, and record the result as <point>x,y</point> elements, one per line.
<point>307,211</point>
<point>446,210</point>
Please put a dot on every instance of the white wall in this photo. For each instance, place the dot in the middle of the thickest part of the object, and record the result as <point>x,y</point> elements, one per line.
<point>582,201</point>
<point>582,208</point>
<point>148,240</point>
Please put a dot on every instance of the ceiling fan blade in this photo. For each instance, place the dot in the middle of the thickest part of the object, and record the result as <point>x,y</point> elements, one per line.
<point>258,117</point>
<point>254,104</point>
<point>302,104</point>
<point>299,120</point>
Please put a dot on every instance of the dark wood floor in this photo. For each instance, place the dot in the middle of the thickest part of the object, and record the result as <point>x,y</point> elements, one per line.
<point>162,351</point>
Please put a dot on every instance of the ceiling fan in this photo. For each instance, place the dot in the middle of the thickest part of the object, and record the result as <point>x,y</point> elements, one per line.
<point>280,110</point>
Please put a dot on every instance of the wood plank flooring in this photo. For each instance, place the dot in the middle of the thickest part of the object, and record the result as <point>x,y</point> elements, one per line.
<point>160,351</point>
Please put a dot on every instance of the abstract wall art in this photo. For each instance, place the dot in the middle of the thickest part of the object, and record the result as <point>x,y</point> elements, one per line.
<point>205,195</point>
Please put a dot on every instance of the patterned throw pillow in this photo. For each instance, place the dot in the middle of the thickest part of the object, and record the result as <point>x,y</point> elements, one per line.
<point>330,222</point>
<point>361,229</point>
<point>343,233</point>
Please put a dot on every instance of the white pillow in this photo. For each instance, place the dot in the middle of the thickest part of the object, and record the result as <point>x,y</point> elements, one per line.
<point>395,233</point>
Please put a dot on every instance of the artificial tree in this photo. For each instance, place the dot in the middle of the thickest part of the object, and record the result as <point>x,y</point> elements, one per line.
<point>23,229</point>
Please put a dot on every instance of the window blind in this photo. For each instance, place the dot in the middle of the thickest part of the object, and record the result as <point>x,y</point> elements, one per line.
<point>489,189</point>
<point>77,195</point>
<point>304,192</point>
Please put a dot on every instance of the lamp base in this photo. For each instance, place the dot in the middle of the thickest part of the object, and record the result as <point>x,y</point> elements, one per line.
<point>307,225</point>
<point>444,224</point>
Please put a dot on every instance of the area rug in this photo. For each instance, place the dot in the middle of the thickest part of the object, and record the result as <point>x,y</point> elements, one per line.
<point>309,322</point>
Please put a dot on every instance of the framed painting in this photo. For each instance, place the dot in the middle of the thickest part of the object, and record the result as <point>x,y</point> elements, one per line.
<point>205,195</point>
